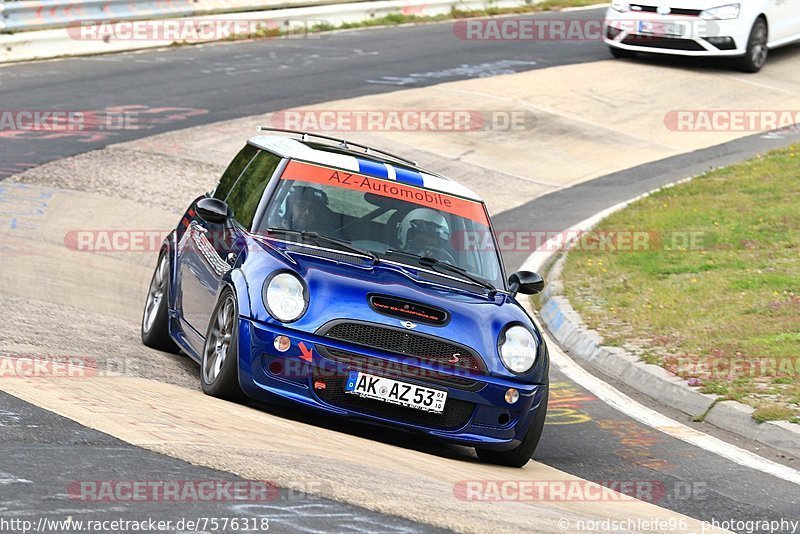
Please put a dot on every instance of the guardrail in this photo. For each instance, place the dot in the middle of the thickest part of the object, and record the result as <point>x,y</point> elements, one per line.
<point>22,15</point>
<point>56,42</point>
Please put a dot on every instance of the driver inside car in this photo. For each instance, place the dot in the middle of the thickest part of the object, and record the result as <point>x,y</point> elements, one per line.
<point>307,210</point>
<point>425,232</point>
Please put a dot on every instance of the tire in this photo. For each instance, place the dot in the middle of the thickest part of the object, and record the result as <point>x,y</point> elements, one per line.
<point>219,369</point>
<point>757,50</point>
<point>621,53</point>
<point>155,317</point>
<point>520,456</point>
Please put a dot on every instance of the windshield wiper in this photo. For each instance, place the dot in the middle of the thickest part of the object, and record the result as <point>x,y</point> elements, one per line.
<point>433,263</point>
<point>319,238</point>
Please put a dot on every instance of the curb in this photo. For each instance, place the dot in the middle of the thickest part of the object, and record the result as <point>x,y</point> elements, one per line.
<point>49,44</point>
<point>585,345</point>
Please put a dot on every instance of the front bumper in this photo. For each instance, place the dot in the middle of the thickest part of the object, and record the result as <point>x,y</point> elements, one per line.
<point>313,370</point>
<point>675,35</point>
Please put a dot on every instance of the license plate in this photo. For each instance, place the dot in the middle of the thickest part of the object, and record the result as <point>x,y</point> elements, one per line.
<point>659,28</point>
<point>395,392</point>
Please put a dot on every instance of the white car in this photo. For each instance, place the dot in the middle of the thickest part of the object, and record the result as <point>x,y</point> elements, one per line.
<point>745,30</point>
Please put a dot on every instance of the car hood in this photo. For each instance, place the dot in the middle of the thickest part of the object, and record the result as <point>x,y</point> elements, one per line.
<point>340,289</point>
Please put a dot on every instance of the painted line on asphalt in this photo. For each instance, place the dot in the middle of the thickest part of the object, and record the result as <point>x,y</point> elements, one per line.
<point>760,85</point>
<point>623,403</point>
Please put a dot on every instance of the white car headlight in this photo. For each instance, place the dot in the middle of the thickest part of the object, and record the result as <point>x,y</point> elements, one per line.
<point>622,7</point>
<point>518,349</point>
<point>285,297</point>
<point>727,12</point>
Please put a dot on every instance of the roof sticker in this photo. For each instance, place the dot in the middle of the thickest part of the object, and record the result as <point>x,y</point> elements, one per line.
<point>409,177</point>
<point>311,173</point>
<point>390,170</point>
<point>373,168</point>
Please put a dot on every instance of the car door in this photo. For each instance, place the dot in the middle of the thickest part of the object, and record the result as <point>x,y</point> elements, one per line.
<point>783,18</point>
<point>193,282</point>
<point>208,251</point>
<point>793,18</point>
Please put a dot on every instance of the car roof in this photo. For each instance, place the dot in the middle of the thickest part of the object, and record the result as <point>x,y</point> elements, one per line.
<point>369,165</point>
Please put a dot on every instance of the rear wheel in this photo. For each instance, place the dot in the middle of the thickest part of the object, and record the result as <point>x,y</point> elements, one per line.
<point>155,318</point>
<point>621,53</point>
<point>219,374</point>
<point>757,50</point>
<point>520,456</point>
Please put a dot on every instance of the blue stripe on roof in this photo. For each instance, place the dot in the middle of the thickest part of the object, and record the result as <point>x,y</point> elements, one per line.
<point>372,168</point>
<point>405,176</point>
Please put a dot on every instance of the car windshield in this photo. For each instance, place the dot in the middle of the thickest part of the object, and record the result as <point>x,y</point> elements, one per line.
<point>392,220</point>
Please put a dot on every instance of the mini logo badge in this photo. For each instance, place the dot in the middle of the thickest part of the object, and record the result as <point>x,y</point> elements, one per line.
<point>408,324</point>
<point>664,10</point>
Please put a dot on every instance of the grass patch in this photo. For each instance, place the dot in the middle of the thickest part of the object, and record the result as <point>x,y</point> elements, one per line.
<point>714,292</point>
<point>772,412</point>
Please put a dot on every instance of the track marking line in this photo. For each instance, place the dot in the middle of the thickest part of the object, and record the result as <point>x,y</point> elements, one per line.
<point>761,85</point>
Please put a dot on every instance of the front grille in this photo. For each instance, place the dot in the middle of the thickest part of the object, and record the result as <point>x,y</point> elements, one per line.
<point>400,371</point>
<point>669,43</point>
<point>686,12</point>
<point>398,341</point>
<point>456,412</point>
<point>641,8</point>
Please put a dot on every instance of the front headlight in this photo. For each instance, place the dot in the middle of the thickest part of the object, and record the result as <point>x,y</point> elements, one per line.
<point>285,296</point>
<point>518,349</point>
<point>622,7</point>
<point>728,12</point>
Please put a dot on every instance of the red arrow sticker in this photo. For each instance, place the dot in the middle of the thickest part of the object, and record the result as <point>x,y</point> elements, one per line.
<point>306,353</point>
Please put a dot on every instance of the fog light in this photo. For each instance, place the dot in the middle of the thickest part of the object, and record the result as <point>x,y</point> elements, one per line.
<point>611,32</point>
<point>282,343</point>
<point>723,43</point>
<point>512,396</point>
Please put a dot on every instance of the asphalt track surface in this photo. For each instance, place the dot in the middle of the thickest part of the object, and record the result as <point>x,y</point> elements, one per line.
<point>584,436</point>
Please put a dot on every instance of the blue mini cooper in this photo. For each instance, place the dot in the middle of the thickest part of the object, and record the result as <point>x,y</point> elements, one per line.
<point>348,280</point>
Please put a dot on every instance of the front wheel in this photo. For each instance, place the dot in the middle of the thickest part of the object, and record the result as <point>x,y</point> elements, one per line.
<point>219,374</point>
<point>757,50</point>
<point>520,456</point>
<point>155,318</point>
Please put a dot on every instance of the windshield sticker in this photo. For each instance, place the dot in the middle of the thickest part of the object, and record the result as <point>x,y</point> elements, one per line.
<point>306,172</point>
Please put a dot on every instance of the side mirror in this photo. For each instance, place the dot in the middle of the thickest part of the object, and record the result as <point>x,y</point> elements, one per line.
<point>525,282</point>
<point>213,210</point>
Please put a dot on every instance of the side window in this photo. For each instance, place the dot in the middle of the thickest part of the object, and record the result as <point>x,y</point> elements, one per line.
<point>245,196</point>
<point>233,171</point>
